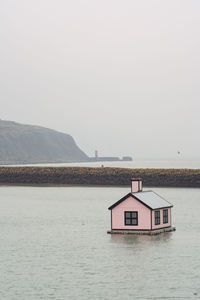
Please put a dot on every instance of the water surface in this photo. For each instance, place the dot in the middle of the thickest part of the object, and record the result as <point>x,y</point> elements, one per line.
<point>54,245</point>
<point>163,164</point>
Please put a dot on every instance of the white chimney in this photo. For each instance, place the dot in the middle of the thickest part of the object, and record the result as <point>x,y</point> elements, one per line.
<point>136,185</point>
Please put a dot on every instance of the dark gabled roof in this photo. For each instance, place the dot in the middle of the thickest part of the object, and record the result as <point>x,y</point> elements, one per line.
<point>148,198</point>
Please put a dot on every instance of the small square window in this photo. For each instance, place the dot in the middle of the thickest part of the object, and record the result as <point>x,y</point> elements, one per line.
<point>131,218</point>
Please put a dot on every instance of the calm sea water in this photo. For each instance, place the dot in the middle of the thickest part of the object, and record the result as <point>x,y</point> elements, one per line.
<point>178,163</point>
<point>54,245</point>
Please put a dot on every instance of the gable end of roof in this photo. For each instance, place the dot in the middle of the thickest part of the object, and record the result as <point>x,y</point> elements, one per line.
<point>119,201</point>
<point>124,198</point>
<point>168,205</point>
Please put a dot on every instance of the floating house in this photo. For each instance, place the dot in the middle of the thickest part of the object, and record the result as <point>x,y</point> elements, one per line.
<point>141,212</point>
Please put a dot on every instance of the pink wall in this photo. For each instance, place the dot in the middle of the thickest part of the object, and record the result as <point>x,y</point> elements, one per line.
<point>161,219</point>
<point>131,204</point>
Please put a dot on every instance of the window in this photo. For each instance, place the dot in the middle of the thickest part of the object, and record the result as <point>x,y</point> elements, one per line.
<point>131,218</point>
<point>165,216</point>
<point>157,217</point>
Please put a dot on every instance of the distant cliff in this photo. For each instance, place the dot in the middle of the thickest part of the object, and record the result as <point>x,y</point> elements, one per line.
<point>21,144</point>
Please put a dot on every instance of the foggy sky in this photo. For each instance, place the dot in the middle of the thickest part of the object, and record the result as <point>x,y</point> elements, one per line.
<point>121,77</point>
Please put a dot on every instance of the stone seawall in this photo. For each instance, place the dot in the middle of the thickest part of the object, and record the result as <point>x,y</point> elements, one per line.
<point>99,176</point>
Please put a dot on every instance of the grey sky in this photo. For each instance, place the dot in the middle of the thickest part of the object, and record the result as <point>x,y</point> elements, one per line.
<point>119,76</point>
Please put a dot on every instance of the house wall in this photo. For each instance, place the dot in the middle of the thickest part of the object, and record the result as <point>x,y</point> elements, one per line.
<point>161,219</point>
<point>131,204</point>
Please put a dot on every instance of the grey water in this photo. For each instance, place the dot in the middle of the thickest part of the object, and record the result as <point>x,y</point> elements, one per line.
<point>165,164</point>
<point>54,245</point>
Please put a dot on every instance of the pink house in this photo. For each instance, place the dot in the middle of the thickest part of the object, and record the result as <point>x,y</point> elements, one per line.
<point>141,212</point>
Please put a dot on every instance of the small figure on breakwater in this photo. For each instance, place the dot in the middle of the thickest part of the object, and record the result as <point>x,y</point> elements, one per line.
<point>141,212</point>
